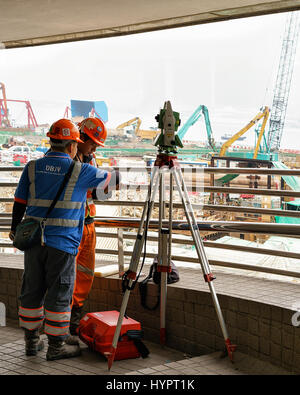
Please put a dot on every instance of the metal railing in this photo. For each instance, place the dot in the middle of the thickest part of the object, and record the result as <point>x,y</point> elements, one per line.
<point>287,230</point>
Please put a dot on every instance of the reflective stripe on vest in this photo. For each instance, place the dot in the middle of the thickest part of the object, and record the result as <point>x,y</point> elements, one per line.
<point>85,270</point>
<point>31,176</point>
<point>72,181</point>
<point>56,330</point>
<point>69,223</point>
<point>31,313</point>
<point>59,204</point>
<point>65,204</point>
<point>90,208</point>
<point>90,201</point>
<point>57,317</point>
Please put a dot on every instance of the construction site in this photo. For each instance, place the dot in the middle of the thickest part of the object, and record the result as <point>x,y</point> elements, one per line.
<point>214,204</point>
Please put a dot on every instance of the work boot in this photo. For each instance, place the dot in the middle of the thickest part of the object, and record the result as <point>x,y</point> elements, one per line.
<point>58,349</point>
<point>75,319</point>
<point>33,344</point>
<point>72,340</point>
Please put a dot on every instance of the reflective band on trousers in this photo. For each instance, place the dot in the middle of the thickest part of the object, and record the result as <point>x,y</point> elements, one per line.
<point>57,317</point>
<point>30,324</point>
<point>70,223</point>
<point>32,313</point>
<point>56,330</point>
<point>85,270</point>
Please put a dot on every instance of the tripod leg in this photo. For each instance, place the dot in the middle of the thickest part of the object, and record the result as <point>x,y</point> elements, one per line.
<point>162,257</point>
<point>161,214</point>
<point>170,221</point>
<point>135,258</point>
<point>163,269</point>
<point>189,212</point>
<point>166,247</point>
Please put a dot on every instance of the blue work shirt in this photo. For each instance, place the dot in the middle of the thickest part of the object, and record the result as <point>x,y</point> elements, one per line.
<point>38,186</point>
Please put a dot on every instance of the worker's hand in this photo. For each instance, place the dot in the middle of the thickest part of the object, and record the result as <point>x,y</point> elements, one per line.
<point>114,183</point>
<point>103,194</point>
<point>11,235</point>
<point>117,179</point>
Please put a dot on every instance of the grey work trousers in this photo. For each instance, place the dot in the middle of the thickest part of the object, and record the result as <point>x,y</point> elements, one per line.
<point>47,290</point>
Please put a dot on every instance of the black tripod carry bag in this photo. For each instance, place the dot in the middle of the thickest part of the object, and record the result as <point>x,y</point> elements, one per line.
<point>173,277</point>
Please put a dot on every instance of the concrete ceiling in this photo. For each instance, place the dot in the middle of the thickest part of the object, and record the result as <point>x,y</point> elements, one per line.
<point>37,22</point>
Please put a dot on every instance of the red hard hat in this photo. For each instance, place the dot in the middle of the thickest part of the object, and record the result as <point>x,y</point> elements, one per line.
<point>95,129</point>
<point>64,129</point>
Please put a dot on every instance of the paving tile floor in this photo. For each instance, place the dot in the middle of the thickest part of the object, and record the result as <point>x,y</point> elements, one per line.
<point>161,361</point>
<point>14,361</point>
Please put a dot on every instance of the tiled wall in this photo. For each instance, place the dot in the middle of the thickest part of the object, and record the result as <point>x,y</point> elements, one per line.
<point>10,285</point>
<point>260,330</point>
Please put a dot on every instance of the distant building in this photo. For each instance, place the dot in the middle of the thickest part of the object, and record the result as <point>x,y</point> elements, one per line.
<point>84,109</point>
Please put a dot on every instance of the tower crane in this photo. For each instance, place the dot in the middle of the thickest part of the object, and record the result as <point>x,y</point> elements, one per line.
<point>283,81</point>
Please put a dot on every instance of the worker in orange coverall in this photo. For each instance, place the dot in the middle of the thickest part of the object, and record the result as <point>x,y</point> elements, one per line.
<point>93,134</point>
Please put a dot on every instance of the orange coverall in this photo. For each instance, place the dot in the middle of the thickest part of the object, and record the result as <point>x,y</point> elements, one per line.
<point>85,259</point>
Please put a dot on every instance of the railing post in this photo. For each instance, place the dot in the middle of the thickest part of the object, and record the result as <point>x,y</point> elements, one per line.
<point>120,252</point>
<point>212,181</point>
<point>269,178</point>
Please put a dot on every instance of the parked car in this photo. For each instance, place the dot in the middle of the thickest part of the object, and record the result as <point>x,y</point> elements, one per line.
<point>20,153</point>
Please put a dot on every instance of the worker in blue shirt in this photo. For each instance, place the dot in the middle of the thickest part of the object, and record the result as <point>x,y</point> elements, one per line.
<point>49,269</point>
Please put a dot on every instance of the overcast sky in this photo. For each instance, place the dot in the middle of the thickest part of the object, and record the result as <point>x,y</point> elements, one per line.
<point>228,66</point>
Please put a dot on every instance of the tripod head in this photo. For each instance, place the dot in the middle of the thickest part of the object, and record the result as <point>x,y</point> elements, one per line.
<point>168,121</point>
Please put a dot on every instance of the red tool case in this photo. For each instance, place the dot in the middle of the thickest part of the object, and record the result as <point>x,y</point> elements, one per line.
<point>97,331</point>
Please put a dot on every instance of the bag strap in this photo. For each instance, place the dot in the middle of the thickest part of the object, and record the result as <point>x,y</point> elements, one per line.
<point>136,336</point>
<point>143,291</point>
<point>63,184</point>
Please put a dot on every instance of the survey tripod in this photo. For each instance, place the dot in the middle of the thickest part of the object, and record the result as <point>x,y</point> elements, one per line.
<point>166,162</point>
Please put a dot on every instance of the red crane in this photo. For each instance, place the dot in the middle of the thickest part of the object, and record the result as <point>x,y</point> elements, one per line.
<point>4,120</point>
<point>66,114</point>
<point>3,108</point>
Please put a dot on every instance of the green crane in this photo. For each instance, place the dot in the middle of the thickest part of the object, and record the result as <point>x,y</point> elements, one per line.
<point>193,119</point>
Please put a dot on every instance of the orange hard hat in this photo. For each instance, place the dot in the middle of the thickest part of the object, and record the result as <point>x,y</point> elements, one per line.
<point>64,129</point>
<point>95,129</point>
